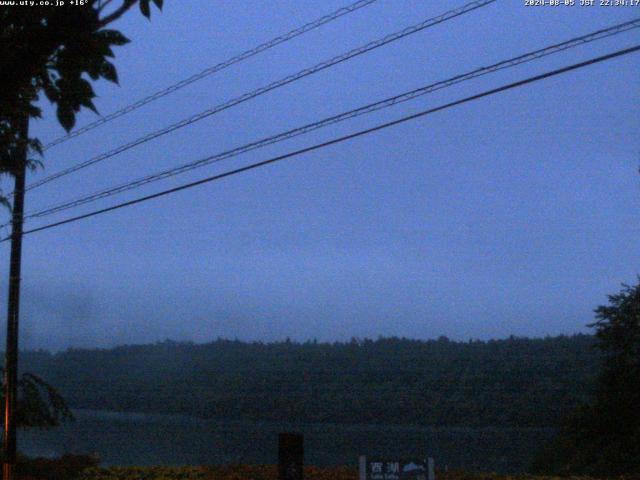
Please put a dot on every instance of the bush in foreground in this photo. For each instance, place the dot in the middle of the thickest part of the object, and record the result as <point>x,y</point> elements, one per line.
<point>84,467</point>
<point>270,472</point>
<point>66,467</point>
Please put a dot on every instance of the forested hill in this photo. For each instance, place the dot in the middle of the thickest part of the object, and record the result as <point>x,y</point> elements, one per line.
<point>512,382</point>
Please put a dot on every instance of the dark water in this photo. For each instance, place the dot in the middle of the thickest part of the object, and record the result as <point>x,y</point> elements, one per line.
<point>141,439</point>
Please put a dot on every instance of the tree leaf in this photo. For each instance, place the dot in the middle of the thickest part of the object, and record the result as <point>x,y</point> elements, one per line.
<point>66,116</point>
<point>51,91</point>
<point>144,8</point>
<point>158,4</point>
<point>94,67</point>
<point>86,88</point>
<point>35,145</point>
<point>113,37</point>
<point>109,72</point>
<point>86,102</point>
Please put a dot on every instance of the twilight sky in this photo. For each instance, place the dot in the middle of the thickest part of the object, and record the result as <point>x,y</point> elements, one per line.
<point>516,214</point>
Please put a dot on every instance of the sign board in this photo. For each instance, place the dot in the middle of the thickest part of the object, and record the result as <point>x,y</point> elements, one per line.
<point>375,468</point>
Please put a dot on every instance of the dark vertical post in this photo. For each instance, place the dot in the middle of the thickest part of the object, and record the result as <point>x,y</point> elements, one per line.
<point>11,359</point>
<point>290,456</point>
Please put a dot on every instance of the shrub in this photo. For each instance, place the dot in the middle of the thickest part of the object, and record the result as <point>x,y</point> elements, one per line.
<point>66,467</point>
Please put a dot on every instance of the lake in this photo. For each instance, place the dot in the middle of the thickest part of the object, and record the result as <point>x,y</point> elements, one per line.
<point>143,439</point>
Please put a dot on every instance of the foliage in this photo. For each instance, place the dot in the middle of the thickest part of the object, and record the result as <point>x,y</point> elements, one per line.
<point>231,472</point>
<point>267,472</point>
<point>514,382</point>
<point>56,51</point>
<point>148,473</point>
<point>603,437</point>
<point>67,467</point>
<point>39,404</point>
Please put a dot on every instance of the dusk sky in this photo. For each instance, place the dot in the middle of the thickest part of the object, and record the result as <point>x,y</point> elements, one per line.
<point>515,214</point>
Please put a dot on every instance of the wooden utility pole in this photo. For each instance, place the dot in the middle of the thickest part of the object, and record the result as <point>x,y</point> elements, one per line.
<point>11,359</point>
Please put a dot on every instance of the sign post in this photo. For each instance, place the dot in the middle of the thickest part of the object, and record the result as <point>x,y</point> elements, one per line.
<point>290,456</point>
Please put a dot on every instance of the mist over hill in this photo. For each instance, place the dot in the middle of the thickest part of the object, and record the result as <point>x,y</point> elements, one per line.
<point>512,382</point>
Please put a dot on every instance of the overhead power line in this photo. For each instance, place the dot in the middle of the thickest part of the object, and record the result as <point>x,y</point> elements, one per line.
<point>214,69</point>
<point>449,15</point>
<point>342,139</point>
<point>372,107</point>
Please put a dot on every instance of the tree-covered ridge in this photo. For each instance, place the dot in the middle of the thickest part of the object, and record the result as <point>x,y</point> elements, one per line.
<point>512,382</point>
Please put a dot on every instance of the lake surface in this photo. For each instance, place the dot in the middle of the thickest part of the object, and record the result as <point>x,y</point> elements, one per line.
<point>142,439</point>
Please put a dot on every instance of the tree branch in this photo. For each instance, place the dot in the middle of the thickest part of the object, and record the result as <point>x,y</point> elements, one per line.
<point>104,5</point>
<point>116,14</point>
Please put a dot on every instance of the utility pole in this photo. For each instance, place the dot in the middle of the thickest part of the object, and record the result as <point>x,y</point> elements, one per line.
<point>11,358</point>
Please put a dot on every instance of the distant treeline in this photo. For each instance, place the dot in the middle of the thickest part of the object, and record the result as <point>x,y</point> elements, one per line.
<point>513,382</point>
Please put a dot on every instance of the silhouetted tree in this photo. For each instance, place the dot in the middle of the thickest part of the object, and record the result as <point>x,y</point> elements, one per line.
<point>39,404</point>
<point>56,51</point>
<point>603,438</point>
